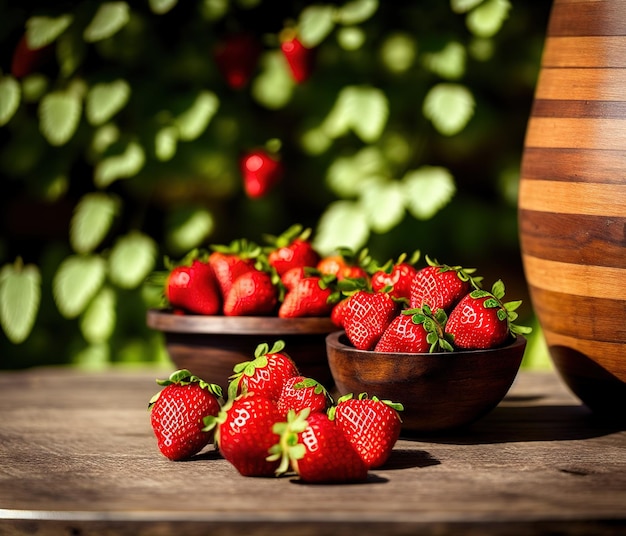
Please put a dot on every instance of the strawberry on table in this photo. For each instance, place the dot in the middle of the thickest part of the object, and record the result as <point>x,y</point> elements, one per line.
<point>482,320</point>
<point>192,287</point>
<point>292,249</point>
<point>316,449</point>
<point>244,433</point>
<point>300,392</point>
<point>265,374</point>
<point>371,425</point>
<point>366,316</point>
<point>177,413</point>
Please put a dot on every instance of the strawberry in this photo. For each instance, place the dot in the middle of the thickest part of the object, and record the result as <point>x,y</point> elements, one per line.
<point>261,171</point>
<point>338,313</point>
<point>415,331</point>
<point>253,293</point>
<point>236,57</point>
<point>300,392</point>
<point>232,260</point>
<point>311,296</point>
<point>177,413</point>
<point>441,286</point>
<point>312,445</point>
<point>398,276</point>
<point>367,316</point>
<point>482,320</point>
<point>26,60</point>
<point>345,264</point>
<point>292,249</point>
<point>265,374</point>
<point>300,59</point>
<point>244,433</point>
<point>371,425</point>
<point>192,287</point>
<point>291,277</point>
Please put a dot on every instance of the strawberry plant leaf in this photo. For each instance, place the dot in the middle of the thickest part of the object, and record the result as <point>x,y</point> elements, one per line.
<point>41,31</point>
<point>273,87</point>
<point>463,6</point>
<point>356,11</point>
<point>343,224</point>
<point>162,6</point>
<point>166,143</point>
<point>132,258</point>
<point>383,202</point>
<point>105,100</point>
<point>194,120</point>
<point>98,320</point>
<point>76,281</point>
<point>10,96</point>
<point>345,174</point>
<point>59,115</point>
<point>427,190</point>
<point>188,228</point>
<point>120,166</point>
<point>487,19</point>
<point>70,52</point>
<point>449,62</point>
<point>20,296</point>
<point>92,220</point>
<point>94,357</point>
<point>315,23</point>
<point>449,107</point>
<point>107,21</point>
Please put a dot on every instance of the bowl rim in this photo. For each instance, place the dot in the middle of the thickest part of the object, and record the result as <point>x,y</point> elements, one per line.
<point>167,321</point>
<point>332,341</point>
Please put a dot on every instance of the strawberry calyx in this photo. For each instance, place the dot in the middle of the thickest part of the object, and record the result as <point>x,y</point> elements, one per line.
<point>398,406</point>
<point>389,265</point>
<point>184,377</point>
<point>245,249</point>
<point>464,274</point>
<point>288,236</point>
<point>289,449</point>
<point>434,324</point>
<point>248,368</point>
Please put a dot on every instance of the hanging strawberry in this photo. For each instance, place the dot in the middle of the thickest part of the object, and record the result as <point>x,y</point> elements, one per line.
<point>236,57</point>
<point>262,170</point>
<point>300,58</point>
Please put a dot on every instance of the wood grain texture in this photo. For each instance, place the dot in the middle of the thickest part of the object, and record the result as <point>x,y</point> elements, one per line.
<point>572,199</point>
<point>77,456</point>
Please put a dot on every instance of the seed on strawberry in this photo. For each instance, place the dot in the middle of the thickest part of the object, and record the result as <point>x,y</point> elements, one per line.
<point>244,433</point>
<point>300,392</point>
<point>192,287</point>
<point>292,249</point>
<point>441,286</point>
<point>482,320</point>
<point>367,315</point>
<point>177,413</point>
<point>316,449</point>
<point>372,426</point>
<point>265,374</point>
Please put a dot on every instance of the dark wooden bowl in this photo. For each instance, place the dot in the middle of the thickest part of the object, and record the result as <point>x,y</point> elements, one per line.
<point>210,346</point>
<point>439,391</point>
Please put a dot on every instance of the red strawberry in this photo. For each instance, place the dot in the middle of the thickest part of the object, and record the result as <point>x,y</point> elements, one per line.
<point>253,293</point>
<point>236,57</point>
<point>415,331</point>
<point>261,171</point>
<point>177,413</point>
<point>345,264</point>
<point>371,425</point>
<point>338,313</point>
<point>367,316</point>
<point>244,433</point>
<point>300,392</point>
<point>193,288</point>
<point>292,249</point>
<point>318,451</point>
<point>232,260</point>
<point>398,276</point>
<point>28,60</point>
<point>291,277</point>
<point>311,296</point>
<point>300,59</point>
<point>441,286</point>
<point>265,374</point>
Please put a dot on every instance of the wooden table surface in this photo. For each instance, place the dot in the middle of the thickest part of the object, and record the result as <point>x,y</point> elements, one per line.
<point>77,457</point>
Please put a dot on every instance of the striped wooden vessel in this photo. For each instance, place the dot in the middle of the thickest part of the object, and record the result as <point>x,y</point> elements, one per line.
<point>572,200</point>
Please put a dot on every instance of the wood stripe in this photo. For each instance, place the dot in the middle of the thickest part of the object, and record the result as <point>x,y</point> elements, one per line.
<point>579,51</point>
<point>581,165</point>
<point>582,84</point>
<point>589,18</point>
<point>581,280</point>
<point>592,199</point>
<point>579,108</point>
<point>570,133</point>
<point>595,240</point>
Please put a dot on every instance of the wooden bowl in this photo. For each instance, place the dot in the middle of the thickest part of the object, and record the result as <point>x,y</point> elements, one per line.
<point>439,391</point>
<point>210,346</point>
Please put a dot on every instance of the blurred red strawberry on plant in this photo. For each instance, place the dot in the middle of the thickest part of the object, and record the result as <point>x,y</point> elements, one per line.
<point>261,171</point>
<point>300,59</point>
<point>28,60</point>
<point>236,57</point>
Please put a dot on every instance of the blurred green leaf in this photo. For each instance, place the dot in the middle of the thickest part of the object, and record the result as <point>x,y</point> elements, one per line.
<point>351,38</point>
<point>165,143</point>
<point>193,121</point>
<point>20,296</point>
<point>346,174</point>
<point>162,6</point>
<point>315,23</point>
<point>77,280</point>
<point>131,260</point>
<point>463,6</point>
<point>188,228</point>
<point>41,31</point>
<point>107,21</point>
<point>449,107</point>
<point>92,220</point>
<point>273,87</point>
<point>105,100</point>
<point>356,11</point>
<point>70,51</point>
<point>449,62</point>
<point>487,19</point>
<point>383,202</point>
<point>104,137</point>
<point>398,51</point>
<point>427,190</point>
<point>93,357</point>
<point>34,87</point>
<point>59,115</point>
<point>10,94</point>
<point>98,321</point>
<point>120,166</point>
<point>343,224</point>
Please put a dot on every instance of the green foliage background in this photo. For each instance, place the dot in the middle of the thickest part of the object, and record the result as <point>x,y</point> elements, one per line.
<point>123,147</point>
